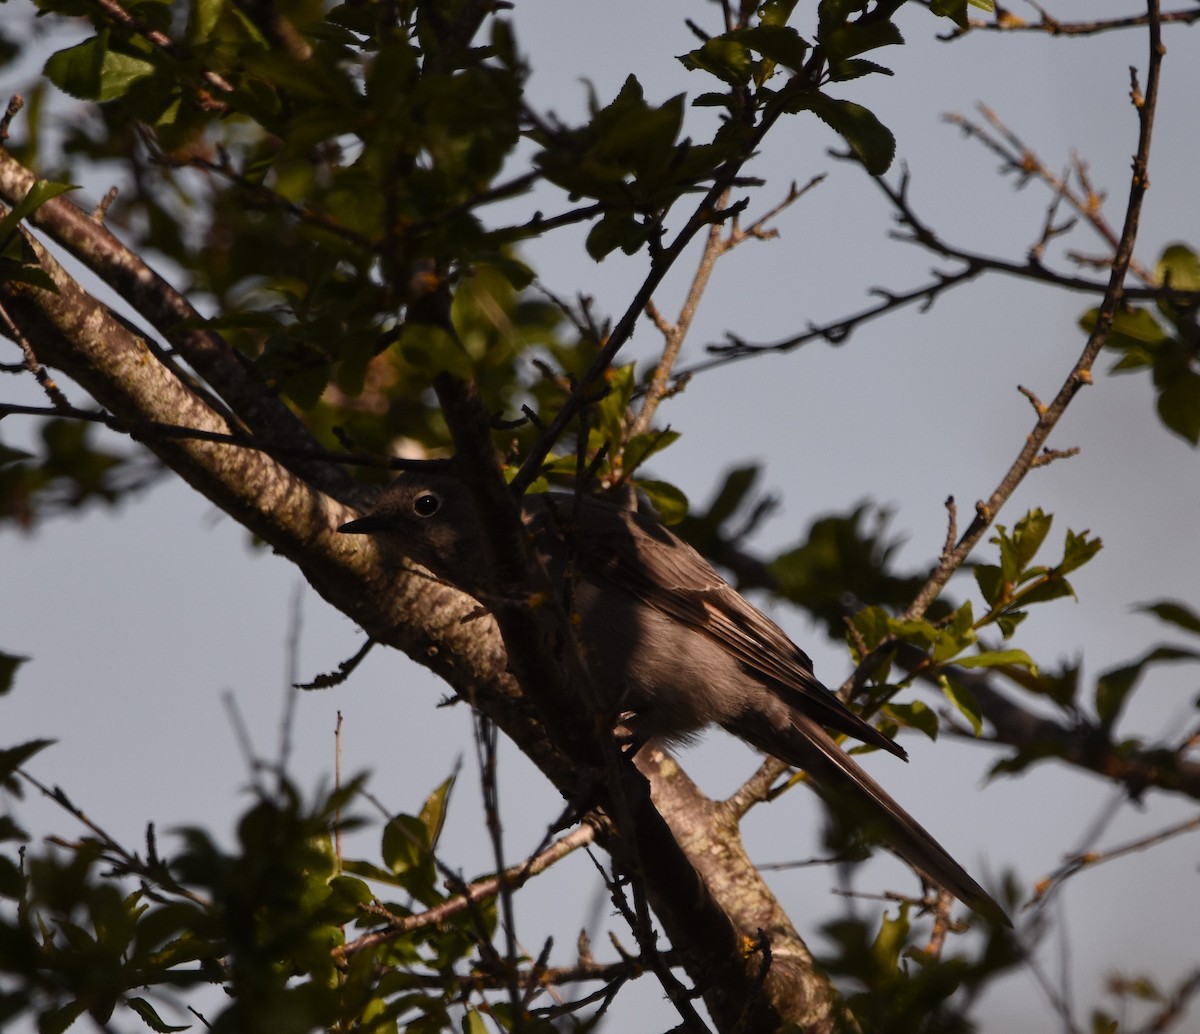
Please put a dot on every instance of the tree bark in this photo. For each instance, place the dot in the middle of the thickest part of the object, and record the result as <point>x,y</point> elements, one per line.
<point>738,946</point>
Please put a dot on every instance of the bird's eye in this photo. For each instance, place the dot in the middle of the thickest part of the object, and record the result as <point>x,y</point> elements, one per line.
<point>427,504</point>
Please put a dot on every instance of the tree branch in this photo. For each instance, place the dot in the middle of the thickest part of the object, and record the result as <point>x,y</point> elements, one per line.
<point>1081,373</point>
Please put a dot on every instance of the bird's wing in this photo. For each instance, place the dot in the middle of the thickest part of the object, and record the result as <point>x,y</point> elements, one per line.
<point>654,565</point>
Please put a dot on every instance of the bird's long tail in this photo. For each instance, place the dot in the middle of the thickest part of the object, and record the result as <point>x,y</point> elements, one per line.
<point>842,782</point>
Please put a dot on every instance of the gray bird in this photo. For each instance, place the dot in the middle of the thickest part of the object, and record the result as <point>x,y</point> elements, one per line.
<point>670,644</point>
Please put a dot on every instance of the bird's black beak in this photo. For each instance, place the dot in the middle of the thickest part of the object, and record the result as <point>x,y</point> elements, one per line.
<point>363,526</point>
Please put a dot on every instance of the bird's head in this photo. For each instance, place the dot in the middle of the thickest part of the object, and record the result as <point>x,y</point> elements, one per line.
<point>430,518</point>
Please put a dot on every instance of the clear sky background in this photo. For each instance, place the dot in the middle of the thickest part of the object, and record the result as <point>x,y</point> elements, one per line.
<point>142,620</point>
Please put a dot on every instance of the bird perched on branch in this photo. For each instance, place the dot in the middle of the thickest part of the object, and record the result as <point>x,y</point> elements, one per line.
<point>671,646</point>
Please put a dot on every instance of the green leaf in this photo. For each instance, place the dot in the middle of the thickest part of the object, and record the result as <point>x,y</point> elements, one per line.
<point>1112,689</point>
<point>737,484</point>
<point>853,38</point>
<point>992,585</point>
<point>16,272</point>
<point>776,12</point>
<point>1179,406</point>
<point>610,411</point>
<point>13,758</point>
<point>872,625</point>
<point>13,884</point>
<point>955,10</point>
<point>917,715</point>
<point>1179,267</point>
<point>56,1021</point>
<point>405,843</point>
<point>641,447</point>
<point>473,1023</point>
<point>151,1018</point>
<point>780,43</point>
<point>963,700</point>
<point>1114,686</point>
<point>956,636</point>
<point>856,68</point>
<point>1077,551</point>
<point>1027,538</point>
<point>671,504</point>
<point>996,659</point>
<point>869,139</point>
<point>1009,620</point>
<point>1060,686</point>
<point>616,230</point>
<point>95,70</point>
<point>9,830</point>
<point>433,811</point>
<point>1134,331</point>
<point>1174,613</point>
<point>9,663</point>
<point>721,56</point>
<point>891,942</point>
<point>432,350</point>
<point>37,195</point>
<point>203,16</point>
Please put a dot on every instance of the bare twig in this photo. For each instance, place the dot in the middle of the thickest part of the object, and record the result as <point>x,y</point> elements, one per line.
<point>663,260</point>
<point>125,862</point>
<point>1022,160</point>
<point>60,405</point>
<point>1175,1006</point>
<point>1076,863</point>
<point>717,244</point>
<point>674,333</point>
<point>479,890</point>
<point>15,103</point>
<point>1006,21</point>
<point>1081,373</point>
<point>337,784</point>
<point>150,429</point>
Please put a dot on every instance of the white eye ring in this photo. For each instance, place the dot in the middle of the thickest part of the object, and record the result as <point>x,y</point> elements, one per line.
<point>427,504</point>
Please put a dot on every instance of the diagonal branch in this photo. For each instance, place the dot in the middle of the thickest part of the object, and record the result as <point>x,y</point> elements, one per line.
<point>1081,373</point>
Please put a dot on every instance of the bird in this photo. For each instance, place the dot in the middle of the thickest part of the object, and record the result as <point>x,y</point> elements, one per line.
<point>672,646</point>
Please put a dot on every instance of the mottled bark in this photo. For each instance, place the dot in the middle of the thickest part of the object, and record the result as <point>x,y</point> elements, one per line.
<point>739,948</point>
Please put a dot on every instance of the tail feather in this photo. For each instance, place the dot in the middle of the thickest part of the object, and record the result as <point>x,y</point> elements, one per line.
<point>842,780</point>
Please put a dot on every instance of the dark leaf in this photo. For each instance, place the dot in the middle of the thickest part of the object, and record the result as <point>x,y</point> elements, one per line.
<point>1175,613</point>
<point>151,1018</point>
<point>9,663</point>
<point>869,139</point>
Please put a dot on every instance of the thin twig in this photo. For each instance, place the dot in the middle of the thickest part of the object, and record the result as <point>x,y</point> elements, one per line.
<point>717,245</point>
<point>479,890</point>
<point>149,429</point>
<point>1080,374</point>
<point>662,262</point>
<point>1021,159</point>
<point>1090,859</point>
<point>1006,21</point>
<point>61,406</point>
<point>337,785</point>
<point>675,333</point>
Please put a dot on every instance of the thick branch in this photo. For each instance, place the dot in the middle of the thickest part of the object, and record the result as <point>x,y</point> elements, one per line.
<point>712,926</point>
<point>172,315</point>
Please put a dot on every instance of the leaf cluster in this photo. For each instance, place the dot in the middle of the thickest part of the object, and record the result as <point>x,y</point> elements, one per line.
<point>89,928</point>
<point>1164,341</point>
<point>903,987</point>
<point>326,180</point>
